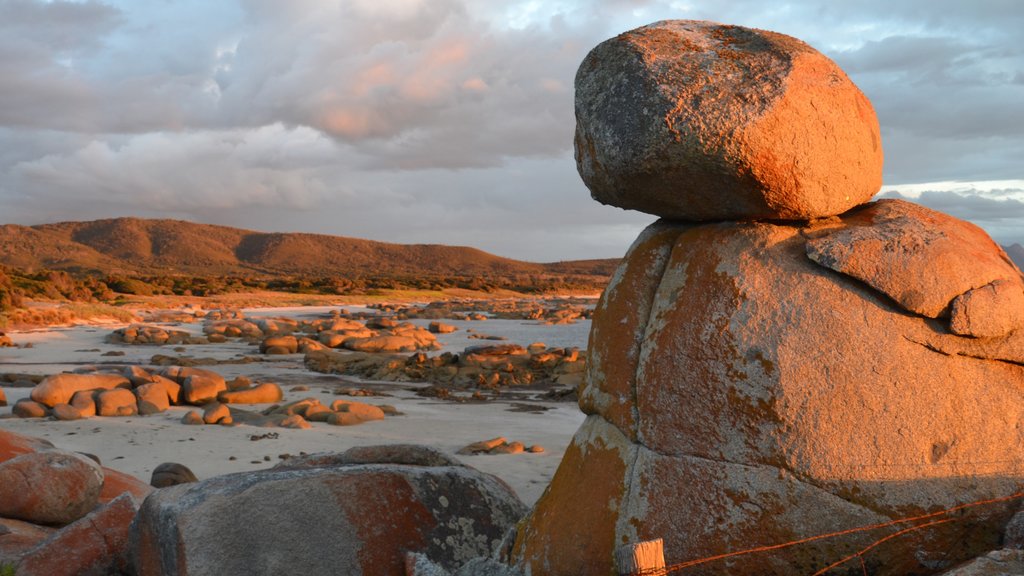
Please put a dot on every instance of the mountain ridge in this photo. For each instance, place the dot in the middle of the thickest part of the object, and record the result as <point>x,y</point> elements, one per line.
<point>138,246</point>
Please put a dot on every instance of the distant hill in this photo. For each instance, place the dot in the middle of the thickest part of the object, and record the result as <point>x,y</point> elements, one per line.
<point>1016,253</point>
<point>134,246</point>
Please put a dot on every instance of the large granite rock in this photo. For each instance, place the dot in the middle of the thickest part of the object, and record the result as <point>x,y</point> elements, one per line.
<point>739,394</point>
<point>326,516</point>
<point>49,487</point>
<point>700,121</point>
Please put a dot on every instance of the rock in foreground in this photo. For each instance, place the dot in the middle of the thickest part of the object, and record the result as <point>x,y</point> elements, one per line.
<point>700,121</point>
<point>351,516</point>
<point>741,395</point>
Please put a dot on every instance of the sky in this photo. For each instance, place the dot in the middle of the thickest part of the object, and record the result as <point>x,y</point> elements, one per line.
<point>445,121</point>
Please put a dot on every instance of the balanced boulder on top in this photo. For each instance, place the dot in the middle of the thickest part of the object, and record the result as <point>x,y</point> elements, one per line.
<point>700,121</point>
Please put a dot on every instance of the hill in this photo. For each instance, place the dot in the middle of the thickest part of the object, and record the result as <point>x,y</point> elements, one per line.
<point>1016,253</point>
<point>138,247</point>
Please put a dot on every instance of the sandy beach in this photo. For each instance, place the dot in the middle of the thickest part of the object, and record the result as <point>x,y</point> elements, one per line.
<point>137,444</point>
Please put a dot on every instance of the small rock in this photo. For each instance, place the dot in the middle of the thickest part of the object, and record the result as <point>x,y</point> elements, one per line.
<point>193,417</point>
<point>66,412</point>
<point>295,421</point>
<point>216,413</point>
<point>171,474</point>
<point>26,408</point>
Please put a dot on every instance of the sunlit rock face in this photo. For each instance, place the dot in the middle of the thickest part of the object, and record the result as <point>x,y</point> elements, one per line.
<point>755,383</point>
<point>696,121</point>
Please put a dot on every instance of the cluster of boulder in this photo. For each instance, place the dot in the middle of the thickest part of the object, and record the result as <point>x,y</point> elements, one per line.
<point>288,336</point>
<point>499,445</point>
<point>487,366</point>
<point>5,341</point>
<point>297,414</point>
<point>136,390</point>
<point>157,335</point>
<point>545,311</point>
<point>62,513</point>
<point>776,359</point>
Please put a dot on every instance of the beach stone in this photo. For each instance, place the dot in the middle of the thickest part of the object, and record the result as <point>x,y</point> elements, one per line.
<point>49,487</point>
<point>118,402</point>
<point>693,120</point>
<point>192,418</point>
<point>199,389</point>
<point>66,412</point>
<point>349,413</point>
<point>59,388</point>
<point>152,398</point>
<point>441,328</point>
<point>265,393</point>
<point>739,394</point>
<point>3,398</point>
<point>239,383</point>
<point>116,483</point>
<point>26,408</point>
<point>138,375</point>
<point>384,343</point>
<point>85,402</point>
<point>172,474</point>
<point>317,413</point>
<point>295,421</point>
<point>284,344</point>
<point>96,545</point>
<point>181,373</point>
<point>367,516</point>
<point>483,446</point>
<point>923,260</point>
<point>215,413</point>
<point>5,341</point>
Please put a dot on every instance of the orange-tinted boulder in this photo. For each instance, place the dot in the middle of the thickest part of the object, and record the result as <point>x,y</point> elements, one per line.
<point>118,402</point>
<point>96,545</point>
<point>116,483</point>
<point>265,393</point>
<point>152,398</point>
<point>49,487</point>
<point>199,389</point>
<point>13,444</point>
<point>363,518</point>
<point>59,389</point>
<point>699,121</point>
<point>761,398</point>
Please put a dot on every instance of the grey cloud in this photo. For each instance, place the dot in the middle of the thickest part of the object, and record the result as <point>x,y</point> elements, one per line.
<point>1000,216</point>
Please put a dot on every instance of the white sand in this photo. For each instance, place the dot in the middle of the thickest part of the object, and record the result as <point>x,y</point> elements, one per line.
<point>136,445</point>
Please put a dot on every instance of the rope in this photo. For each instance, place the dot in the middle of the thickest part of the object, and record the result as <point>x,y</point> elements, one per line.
<point>945,512</point>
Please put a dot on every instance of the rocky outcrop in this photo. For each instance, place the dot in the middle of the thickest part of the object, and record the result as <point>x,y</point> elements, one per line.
<point>363,518</point>
<point>701,121</point>
<point>740,393</point>
<point>757,384</point>
<point>75,514</point>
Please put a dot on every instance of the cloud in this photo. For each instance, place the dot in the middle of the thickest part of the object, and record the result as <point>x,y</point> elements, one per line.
<point>185,174</point>
<point>999,211</point>
<point>454,117</point>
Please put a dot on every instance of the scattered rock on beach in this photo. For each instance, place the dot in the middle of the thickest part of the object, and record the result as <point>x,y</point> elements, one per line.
<point>117,402</point>
<point>59,388</point>
<point>265,393</point>
<point>26,408</point>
